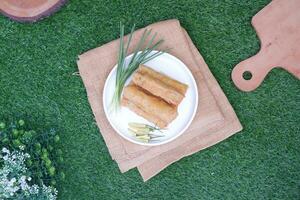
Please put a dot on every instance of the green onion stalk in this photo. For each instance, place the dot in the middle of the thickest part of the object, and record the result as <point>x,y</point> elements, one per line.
<point>140,56</point>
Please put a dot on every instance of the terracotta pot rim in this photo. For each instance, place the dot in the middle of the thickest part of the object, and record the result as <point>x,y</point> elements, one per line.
<point>37,17</point>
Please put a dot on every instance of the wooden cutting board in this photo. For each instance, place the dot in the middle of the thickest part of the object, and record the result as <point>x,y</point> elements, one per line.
<point>29,10</point>
<point>278,27</point>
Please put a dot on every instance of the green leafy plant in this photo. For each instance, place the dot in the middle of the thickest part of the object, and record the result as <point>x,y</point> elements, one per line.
<point>45,161</point>
<point>143,53</point>
<point>15,179</point>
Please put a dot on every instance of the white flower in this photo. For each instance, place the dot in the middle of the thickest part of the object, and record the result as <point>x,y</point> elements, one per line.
<point>17,186</point>
<point>5,157</point>
<point>23,183</point>
<point>22,147</point>
<point>5,150</point>
<point>34,189</point>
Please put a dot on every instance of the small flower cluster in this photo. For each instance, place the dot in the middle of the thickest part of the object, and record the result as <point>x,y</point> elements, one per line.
<point>15,179</point>
<point>30,162</point>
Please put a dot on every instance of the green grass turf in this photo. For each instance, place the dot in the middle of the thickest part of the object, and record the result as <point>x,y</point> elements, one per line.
<point>261,162</point>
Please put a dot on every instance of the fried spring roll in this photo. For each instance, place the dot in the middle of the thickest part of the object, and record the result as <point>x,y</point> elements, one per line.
<point>178,86</point>
<point>158,122</point>
<point>160,85</point>
<point>150,104</point>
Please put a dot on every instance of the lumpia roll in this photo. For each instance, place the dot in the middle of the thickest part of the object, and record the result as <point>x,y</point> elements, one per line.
<point>160,85</point>
<point>178,86</point>
<point>150,104</point>
<point>155,120</point>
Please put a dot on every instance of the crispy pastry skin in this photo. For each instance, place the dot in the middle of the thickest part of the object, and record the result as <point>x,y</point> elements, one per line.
<point>153,106</point>
<point>178,86</point>
<point>158,122</point>
<point>160,85</point>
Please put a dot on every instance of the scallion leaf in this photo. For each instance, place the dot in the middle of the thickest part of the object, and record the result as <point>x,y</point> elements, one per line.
<point>139,57</point>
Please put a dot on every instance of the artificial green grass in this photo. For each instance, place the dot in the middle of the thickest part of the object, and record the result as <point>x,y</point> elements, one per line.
<point>36,83</point>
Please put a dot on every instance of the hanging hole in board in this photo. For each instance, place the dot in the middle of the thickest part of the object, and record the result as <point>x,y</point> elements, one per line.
<point>247,75</point>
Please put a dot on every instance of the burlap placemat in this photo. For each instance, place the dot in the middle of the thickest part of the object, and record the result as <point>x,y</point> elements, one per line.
<point>94,67</point>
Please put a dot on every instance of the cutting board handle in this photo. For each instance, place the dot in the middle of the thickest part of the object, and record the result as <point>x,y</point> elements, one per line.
<point>258,66</point>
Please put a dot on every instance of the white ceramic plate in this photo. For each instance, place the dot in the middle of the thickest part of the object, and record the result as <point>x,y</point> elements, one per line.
<point>171,66</point>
